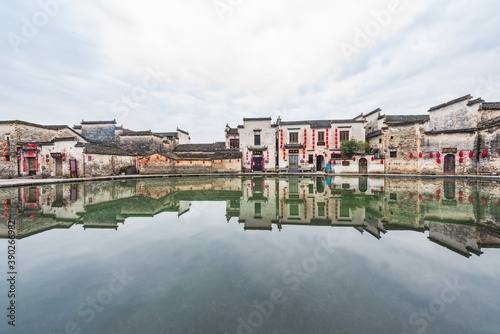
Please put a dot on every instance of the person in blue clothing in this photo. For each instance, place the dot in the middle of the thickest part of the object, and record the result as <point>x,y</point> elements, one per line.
<point>328,168</point>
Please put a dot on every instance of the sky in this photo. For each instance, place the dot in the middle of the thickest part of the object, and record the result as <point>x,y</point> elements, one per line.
<point>199,64</point>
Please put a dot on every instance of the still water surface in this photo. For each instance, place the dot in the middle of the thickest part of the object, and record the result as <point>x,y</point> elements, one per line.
<point>254,255</point>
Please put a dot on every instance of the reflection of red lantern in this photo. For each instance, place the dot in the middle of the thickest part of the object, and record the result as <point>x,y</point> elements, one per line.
<point>431,155</point>
<point>485,154</point>
<point>484,201</point>
<point>460,199</point>
<point>461,154</point>
<point>381,188</point>
<point>471,200</point>
<point>411,195</point>
<point>373,191</point>
<point>438,155</point>
<point>438,160</point>
<point>460,193</point>
<point>471,154</point>
<point>63,159</point>
<point>438,198</point>
<point>411,155</point>
<point>461,160</point>
<point>420,155</point>
<point>431,198</point>
<point>419,196</point>
<point>438,192</point>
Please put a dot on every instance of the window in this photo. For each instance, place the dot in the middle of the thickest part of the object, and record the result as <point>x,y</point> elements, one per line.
<point>258,209</point>
<point>344,212</point>
<point>344,136</point>
<point>393,154</point>
<point>321,209</point>
<point>380,140</point>
<point>294,137</point>
<point>321,138</point>
<point>234,204</point>
<point>311,189</point>
<point>311,159</point>
<point>234,143</point>
<point>256,139</point>
<point>294,209</point>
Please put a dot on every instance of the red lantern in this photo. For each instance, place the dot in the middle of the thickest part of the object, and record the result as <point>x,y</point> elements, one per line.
<point>64,154</point>
<point>46,160</point>
<point>485,154</point>
<point>438,192</point>
<point>461,154</point>
<point>382,162</point>
<point>431,198</point>
<point>438,155</point>
<point>471,200</point>
<point>334,162</point>
<point>420,155</point>
<point>438,160</point>
<point>460,199</point>
<point>431,155</point>
<point>411,195</point>
<point>460,193</point>
<point>438,198</point>
<point>484,201</point>
<point>373,158</point>
<point>419,196</point>
<point>63,159</point>
<point>471,154</point>
<point>343,162</point>
<point>353,158</point>
<point>411,155</point>
<point>461,160</point>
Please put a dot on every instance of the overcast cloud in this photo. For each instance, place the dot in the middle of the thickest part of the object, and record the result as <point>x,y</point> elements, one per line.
<point>200,64</point>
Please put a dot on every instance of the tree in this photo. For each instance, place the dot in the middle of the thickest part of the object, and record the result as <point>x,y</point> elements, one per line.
<point>351,147</point>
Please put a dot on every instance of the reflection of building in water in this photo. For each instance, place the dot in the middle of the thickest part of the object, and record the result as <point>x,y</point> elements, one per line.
<point>464,217</point>
<point>257,208</point>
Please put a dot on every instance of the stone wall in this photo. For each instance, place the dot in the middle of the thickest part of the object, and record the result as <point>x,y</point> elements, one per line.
<point>160,164</point>
<point>102,133</point>
<point>102,165</point>
<point>142,145</point>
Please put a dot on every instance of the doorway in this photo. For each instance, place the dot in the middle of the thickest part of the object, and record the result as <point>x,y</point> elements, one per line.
<point>320,162</point>
<point>294,163</point>
<point>257,163</point>
<point>363,166</point>
<point>31,166</point>
<point>449,164</point>
<point>58,166</point>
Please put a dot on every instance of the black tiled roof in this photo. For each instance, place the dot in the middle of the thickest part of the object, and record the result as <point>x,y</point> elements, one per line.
<point>98,122</point>
<point>372,112</point>
<point>490,106</point>
<point>460,99</point>
<point>472,102</point>
<point>405,119</point>
<point>212,147</point>
<point>317,124</point>
<point>232,131</point>
<point>256,119</point>
<point>185,132</point>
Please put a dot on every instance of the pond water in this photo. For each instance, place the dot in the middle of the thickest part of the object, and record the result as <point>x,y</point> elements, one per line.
<point>252,255</point>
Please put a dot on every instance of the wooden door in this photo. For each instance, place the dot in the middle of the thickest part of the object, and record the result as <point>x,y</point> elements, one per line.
<point>32,166</point>
<point>294,162</point>
<point>449,164</point>
<point>363,166</point>
<point>58,166</point>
